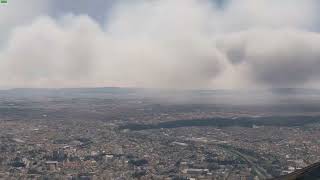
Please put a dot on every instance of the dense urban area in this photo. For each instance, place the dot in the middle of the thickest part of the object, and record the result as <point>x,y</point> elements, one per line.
<point>113,133</point>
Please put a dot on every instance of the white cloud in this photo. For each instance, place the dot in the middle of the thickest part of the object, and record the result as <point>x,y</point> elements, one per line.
<point>17,13</point>
<point>248,14</point>
<point>180,44</point>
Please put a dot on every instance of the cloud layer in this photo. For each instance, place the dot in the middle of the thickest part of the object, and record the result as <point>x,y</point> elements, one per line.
<point>170,44</point>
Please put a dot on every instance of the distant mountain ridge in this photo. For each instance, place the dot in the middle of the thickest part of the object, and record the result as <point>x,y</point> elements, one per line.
<point>279,91</point>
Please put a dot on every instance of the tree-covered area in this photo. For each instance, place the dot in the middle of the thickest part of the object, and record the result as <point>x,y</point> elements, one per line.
<point>282,121</point>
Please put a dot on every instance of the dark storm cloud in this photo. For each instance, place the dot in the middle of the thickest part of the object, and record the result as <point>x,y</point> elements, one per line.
<point>276,58</point>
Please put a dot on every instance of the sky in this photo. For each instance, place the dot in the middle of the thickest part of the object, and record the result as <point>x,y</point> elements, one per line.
<point>187,44</point>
